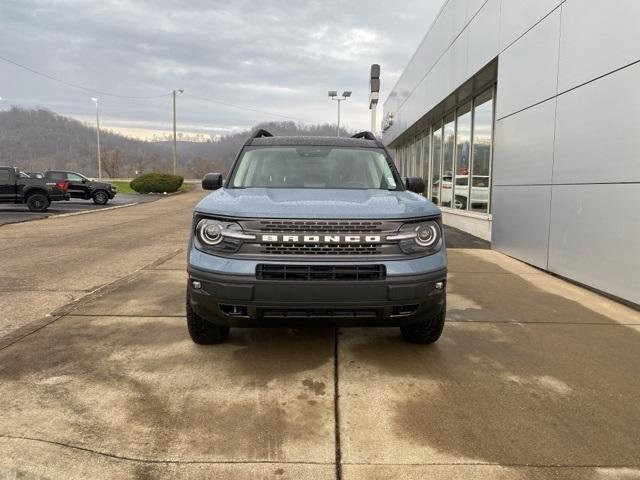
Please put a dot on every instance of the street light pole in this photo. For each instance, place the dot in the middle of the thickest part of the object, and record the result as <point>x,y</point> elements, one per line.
<point>339,102</point>
<point>95,100</point>
<point>175,151</point>
<point>374,94</point>
<point>333,94</point>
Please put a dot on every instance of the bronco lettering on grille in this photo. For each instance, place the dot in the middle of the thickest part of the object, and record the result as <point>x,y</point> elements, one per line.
<point>329,239</point>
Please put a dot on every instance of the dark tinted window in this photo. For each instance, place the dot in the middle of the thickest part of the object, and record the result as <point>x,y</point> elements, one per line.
<point>4,176</point>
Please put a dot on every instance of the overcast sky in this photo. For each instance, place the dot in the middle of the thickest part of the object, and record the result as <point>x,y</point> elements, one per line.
<point>279,57</point>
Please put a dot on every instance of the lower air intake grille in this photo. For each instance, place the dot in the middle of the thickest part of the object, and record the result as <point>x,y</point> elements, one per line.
<point>320,249</point>
<point>318,313</point>
<point>321,272</point>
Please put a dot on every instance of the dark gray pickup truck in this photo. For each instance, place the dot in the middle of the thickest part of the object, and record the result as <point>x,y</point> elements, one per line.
<point>36,193</point>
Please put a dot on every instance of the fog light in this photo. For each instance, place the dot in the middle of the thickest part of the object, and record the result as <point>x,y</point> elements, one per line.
<point>197,285</point>
<point>439,285</point>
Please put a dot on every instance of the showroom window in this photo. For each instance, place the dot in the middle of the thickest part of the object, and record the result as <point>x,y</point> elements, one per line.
<point>426,170</point>
<point>416,170</point>
<point>463,157</point>
<point>481,157</point>
<point>454,156</point>
<point>448,142</point>
<point>436,163</point>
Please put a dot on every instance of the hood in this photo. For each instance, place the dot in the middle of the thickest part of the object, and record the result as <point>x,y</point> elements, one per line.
<point>315,203</point>
<point>97,184</point>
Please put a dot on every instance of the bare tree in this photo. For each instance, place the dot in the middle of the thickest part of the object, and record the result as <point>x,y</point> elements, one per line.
<point>112,163</point>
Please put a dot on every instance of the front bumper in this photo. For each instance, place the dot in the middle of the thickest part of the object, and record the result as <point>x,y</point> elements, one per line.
<point>245,301</point>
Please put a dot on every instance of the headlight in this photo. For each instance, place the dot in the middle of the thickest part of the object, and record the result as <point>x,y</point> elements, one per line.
<point>427,234</point>
<point>422,237</point>
<point>220,236</point>
<point>210,232</point>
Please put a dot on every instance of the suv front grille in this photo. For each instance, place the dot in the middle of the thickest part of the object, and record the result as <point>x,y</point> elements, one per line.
<point>321,226</point>
<point>321,272</point>
<point>325,250</point>
<point>320,249</point>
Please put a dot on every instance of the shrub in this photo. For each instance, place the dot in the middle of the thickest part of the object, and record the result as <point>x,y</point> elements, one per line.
<point>156,183</point>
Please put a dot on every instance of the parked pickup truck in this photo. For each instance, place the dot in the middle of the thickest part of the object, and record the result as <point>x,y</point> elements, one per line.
<point>310,230</point>
<point>82,187</point>
<point>36,193</point>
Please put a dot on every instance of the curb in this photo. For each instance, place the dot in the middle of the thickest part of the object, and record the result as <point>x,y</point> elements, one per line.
<point>84,212</point>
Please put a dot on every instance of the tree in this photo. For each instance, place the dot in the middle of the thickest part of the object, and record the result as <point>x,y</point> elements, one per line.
<point>112,163</point>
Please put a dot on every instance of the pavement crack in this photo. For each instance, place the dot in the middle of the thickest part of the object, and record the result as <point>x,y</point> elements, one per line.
<point>491,464</point>
<point>336,404</point>
<point>156,461</point>
<point>544,322</point>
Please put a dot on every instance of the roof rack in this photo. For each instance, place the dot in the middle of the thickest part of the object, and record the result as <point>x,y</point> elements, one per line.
<point>366,135</point>
<point>259,133</point>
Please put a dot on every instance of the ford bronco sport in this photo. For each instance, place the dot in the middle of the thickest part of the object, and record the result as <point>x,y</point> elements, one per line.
<point>315,230</point>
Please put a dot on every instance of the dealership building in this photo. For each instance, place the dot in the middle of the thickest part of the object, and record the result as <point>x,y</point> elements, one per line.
<point>523,118</point>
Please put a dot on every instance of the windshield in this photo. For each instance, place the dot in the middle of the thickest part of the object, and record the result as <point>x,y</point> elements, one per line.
<point>313,167</point>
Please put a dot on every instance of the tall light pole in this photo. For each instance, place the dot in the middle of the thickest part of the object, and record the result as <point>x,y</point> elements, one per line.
<point>95,100</point>
<point>333,94</point>
<point>175,151</point>
<point>374,94</point>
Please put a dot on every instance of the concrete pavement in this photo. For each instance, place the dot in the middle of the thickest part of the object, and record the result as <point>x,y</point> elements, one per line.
<point>46,264</point>
<point>533,378</point>
<point>10,213</point>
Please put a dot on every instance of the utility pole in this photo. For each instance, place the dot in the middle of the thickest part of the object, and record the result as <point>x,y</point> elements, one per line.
<point>374,94</point>
<point>175,152</point>
<point>95,100</point>
<point>333,94</point>
<point>338,133</point>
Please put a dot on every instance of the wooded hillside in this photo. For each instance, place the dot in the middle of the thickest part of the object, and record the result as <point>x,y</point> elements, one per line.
<point>38,139</point>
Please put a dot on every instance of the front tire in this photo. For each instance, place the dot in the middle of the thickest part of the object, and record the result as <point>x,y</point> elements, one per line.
<point>202,331</point>
<point>100,198</point>
<point>428,331</point>
<point>38,202</point>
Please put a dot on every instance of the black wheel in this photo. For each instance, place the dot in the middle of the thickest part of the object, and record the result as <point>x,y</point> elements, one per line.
<point>38,202</point>
<point>100,197</point>
<point>461,203</point>
<point>428,331</point>
<point>202,331</point>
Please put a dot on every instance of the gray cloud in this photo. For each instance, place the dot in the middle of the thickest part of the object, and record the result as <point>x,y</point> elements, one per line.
<point>273,56</point>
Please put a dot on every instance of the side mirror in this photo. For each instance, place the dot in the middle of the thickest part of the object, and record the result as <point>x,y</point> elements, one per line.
<point>212,181</point>
<point>414,184</point>
<point>84,180</point>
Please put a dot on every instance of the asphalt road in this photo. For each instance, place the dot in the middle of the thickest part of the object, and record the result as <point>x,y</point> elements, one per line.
<point>534,378</point>
<point>11,213</point>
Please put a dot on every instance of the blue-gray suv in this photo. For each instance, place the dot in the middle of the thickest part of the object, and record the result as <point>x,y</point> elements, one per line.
<point>315,230</point>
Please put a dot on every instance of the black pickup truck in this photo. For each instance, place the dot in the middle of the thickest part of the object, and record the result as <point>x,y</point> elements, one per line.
<point>82,187</point>
<point>36,193</point>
